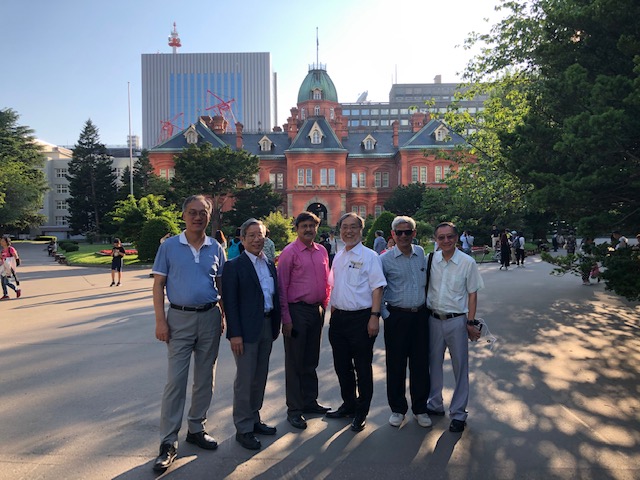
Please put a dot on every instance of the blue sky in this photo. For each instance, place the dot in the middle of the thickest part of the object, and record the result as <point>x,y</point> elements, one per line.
<point>66,61</point>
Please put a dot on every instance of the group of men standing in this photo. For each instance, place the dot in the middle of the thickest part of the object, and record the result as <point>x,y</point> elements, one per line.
<point>254,301</point>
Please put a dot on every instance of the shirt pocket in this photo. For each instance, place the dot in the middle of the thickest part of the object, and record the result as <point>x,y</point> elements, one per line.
<point>355,275</point>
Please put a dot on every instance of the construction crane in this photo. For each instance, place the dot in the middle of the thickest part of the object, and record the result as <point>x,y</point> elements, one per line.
<point>224,109</point>
<point>166,130</point>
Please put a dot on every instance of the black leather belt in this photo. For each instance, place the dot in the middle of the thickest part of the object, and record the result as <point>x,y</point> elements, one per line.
<point>393,308</point>
<point>268,314</point>
<point>445,316</point>
<point>199,308</point>
<point>305,304</point>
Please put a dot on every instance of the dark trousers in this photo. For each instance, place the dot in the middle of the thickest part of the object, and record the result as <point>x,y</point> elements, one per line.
<point>352,357</point>
<point>302,354</point>
<point>406,337</point>
<point>520,255</point>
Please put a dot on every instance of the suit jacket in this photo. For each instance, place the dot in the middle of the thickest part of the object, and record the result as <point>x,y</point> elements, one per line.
<point>244,301</point>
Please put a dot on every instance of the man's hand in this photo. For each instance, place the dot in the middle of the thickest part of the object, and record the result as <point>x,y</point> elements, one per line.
<point>473,333</point>
<point>373,327</point>
<point>237,345</point>
<point>162,330</point>
<point>287,328</point>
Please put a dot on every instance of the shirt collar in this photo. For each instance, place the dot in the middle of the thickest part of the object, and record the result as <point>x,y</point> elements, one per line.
<point>455,258</point>
<point>299,244</point>
<point>396,251</point>
<point>184,241</point>
<point>253,257</point>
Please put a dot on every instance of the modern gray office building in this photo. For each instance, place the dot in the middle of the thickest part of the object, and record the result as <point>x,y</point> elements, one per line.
<point>178,88</point>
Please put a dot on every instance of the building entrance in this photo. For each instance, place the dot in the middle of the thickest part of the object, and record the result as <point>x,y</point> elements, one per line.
<point>320,210</point>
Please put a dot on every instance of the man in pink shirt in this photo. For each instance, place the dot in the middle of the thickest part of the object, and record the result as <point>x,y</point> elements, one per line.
<point>303,273</point>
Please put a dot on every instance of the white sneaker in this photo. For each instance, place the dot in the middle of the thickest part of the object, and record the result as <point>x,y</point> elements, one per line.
<point>396,419</point>
<point>423,420</point>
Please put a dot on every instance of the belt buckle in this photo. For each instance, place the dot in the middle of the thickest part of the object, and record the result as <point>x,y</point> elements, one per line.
<point>441,316</point>
<point>413,309</point>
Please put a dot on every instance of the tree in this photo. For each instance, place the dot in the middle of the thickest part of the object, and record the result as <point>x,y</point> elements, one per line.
<point>152,231</point>
<point>280,228</point>
<point>578,64</point>
<point>253,202</point>
<point>22,181</point>
<point>217,172</point>
<point>383,222</point>
<point>406,199</point>
<point>130,215</point>
<point>145,181</point>
<point>92,182</point>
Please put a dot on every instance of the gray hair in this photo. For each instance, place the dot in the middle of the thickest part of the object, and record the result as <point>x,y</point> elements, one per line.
<point>252,221</point>
<point>352,215</point>
<point>403,219</point>
<point>193,198</point>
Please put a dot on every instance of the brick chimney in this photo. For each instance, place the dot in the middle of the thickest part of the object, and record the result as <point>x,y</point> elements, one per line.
<point>395,126</point>
<point>239,142</point>
<point>418,120</point>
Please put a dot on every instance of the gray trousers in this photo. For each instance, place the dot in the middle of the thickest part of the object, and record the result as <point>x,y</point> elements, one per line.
<point>196,333</point>
<point>302,354</point>
<point>452,334</point>
<point>252,368</point>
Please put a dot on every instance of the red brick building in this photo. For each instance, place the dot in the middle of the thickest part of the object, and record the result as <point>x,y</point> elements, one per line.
<point>319,165</point>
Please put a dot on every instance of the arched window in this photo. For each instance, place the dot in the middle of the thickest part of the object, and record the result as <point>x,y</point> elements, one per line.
<point>316,110</point>
<point>303,113</point>
<point>315,137</point>
<point>317,94</point>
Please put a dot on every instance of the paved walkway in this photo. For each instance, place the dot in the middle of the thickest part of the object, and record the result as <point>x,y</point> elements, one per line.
<point>82,376</point>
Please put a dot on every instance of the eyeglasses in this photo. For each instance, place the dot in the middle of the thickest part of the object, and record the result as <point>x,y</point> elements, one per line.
<point>403,232</point>
<point>442,238</point>
<point>198,213</point>
<point>350,227</point>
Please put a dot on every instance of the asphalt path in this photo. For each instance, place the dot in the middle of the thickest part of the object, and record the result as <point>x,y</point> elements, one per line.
<point>558,396</point>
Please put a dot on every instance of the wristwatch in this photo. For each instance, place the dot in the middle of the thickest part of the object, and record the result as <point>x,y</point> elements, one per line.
<point>375,314</point>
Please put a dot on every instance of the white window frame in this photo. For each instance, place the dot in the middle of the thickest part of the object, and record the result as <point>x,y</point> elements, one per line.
<point>280,181</point>
<point>61,172</point>
<point>385,179</point>
<point>62,188</point>
<point>332,176</point>
<point>301,176</point>
<point>309,176</point>
<point>423,174</point>
<point>414,175</point>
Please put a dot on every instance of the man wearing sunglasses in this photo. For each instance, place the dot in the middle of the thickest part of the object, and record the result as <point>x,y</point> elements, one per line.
<point>452,300</point>
<point>406,326</point>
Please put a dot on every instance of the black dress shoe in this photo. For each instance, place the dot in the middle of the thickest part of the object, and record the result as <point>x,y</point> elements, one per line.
<point>263,429</point>
<point>168,454</point>
<point>203,440</point>
<point>316,409</point>
<point>359,422</point>
<point>435,412</point>
<point>248,440</point>
<point>342,412</point>
<point>457,426</point>
<point>297,421</point>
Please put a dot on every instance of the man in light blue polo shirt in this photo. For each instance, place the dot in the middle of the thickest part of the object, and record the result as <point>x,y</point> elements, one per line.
<point>189,267</point>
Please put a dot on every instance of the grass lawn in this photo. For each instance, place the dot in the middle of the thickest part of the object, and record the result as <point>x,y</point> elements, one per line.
<point>89,255</point>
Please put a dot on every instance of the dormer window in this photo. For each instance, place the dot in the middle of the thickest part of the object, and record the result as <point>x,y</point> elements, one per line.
<point>265,144</point>
<point>191,135</point>
<point>369,143</point>
<point>316,110</point>
<point>441,134</point>
<point>316,134</point>
<point>317,94</point>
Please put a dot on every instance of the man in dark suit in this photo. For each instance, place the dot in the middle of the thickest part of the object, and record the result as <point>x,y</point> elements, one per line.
<point>252,310</point>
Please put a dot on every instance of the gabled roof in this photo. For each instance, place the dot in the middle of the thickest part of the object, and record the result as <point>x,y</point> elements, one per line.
<point>178,141</point>
<point>302,141</point>
<point>425,138</point>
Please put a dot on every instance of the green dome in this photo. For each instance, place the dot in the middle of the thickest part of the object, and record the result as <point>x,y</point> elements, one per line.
<point>317,78</point>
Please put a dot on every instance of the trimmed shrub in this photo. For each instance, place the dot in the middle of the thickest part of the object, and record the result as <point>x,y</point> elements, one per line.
<point>280,229</point>
<point>150,235</point>
<point>383,222</point>
<point>46,238</point>
<point>70,247</point>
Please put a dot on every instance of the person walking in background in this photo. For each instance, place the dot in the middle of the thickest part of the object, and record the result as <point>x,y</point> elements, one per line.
<point>11,261</point>
<point>357,280</point>
<point>252,309</point>
<point>336,245</point>
<point>452,302</point>
<point>505,250</point>
<point>379,243</point>
<point>495,237</point>
<point>466,239</point>
<point>221,239</point>
<point>571,243</point>
<point>519,246</point>
<point>406,328</point>
<point>588,266</point>
<point>235,246</point>
<point>390,244</point>
<point>269,248</point>
<point>117,254</point>
<point>303,283</point>
<point>621,240</point>
<point>188,266</point>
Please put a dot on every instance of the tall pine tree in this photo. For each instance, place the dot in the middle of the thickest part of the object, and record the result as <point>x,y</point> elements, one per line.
<point>92,183</point>
<point>145,181</point>
<point>22,181</point>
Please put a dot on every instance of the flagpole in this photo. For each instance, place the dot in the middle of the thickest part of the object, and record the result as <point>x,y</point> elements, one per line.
<point>130,141</point>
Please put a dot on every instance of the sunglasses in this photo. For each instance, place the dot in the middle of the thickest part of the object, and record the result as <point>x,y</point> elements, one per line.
<point>403,232</point>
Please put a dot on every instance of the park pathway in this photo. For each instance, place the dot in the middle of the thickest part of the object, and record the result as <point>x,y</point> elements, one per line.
<point>81,377</point>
